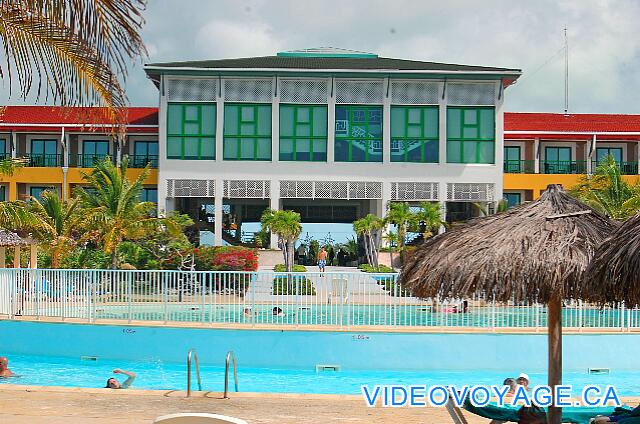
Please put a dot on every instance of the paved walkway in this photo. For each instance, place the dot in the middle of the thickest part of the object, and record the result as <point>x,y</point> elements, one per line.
<point>94,406</point>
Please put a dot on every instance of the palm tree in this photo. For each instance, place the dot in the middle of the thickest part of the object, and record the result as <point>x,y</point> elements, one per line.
<point>369,228</point>
<point>112,207</point>
<point>286,225</point>
<point>75,50</point>
<point>391,238</point>
<point>430,219</point>
<point>405,221</point>
<point>607,191</point>
<point>58,221</point>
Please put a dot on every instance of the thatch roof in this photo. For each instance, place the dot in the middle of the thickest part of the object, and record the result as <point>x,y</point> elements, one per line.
<point>10,239</point>
<point>614,272</point>
<point>535,251</point>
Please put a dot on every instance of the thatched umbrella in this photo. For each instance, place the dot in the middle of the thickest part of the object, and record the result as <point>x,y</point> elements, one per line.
<point>536,252</point>
<point>11,239</point>
<point>614,273</point>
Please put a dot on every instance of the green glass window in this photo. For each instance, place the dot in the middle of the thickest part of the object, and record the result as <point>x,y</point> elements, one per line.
<point>303,132</point>
<point>3,193</point>
<point>36,191</point>
<point>470,135</point>
<point>44,153</point>
<point>603,152</point>
<point>358,134</point>
<point>414,134</point>
<point>512,159</point>
<point>557,160</point>
<point>4,149</point>
<point>149,195</point>
<point>513,199</point>
<point>247,131</point>
<point>191,131</point>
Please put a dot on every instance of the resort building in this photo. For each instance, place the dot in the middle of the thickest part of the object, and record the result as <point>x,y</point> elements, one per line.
<point>58,144</point>
<point>333,134</point>
<point>556,148</point>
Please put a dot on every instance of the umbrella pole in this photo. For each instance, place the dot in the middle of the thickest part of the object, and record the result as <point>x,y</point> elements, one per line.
<point>554,415</point>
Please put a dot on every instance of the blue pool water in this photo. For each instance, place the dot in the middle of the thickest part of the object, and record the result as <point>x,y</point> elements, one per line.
<point>160,375</point>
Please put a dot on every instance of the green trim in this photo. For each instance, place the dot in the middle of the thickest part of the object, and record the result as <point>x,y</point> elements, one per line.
<point>241,133</point>
<point>423,128</point>
<point>183,136</point>
<point>311,137</point>
<point>350,138</point>
<point>477,141</point>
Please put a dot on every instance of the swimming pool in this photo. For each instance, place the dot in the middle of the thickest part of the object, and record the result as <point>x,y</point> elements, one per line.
<point>286,360</point>
<point>161,375</point>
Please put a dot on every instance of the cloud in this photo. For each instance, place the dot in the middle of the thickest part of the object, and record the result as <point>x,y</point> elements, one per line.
<point>236,39</point>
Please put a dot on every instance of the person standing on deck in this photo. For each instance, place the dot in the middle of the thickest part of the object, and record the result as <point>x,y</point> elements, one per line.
<point>322,259</point>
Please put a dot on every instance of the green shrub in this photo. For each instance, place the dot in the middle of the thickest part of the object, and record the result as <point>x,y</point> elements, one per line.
<point>296,268</point>
<point>381,268</point>
<point>298,283</point>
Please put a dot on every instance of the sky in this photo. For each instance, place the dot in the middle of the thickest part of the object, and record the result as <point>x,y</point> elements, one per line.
<point>604,41</point>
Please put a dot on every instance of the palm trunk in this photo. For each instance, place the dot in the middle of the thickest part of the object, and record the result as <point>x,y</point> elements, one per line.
<point>401,238</point>
<point>289,246</point>
<point>114,259</point>
<point>374,251</point>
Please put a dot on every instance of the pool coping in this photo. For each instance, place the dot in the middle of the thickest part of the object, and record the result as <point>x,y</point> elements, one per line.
<point>319,328</point>
<point>631,400</point>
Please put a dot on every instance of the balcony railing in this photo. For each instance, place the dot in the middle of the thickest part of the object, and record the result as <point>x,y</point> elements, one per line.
<point>81,160</point>
<point>42,160</point>
<point>626,168</point>
<point>140,161</point>
<point>563,167</point>
<point>519,166</point>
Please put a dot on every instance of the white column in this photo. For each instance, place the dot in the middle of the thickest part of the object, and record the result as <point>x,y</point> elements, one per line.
<point>536,155</point>
<point>274,203</point>
<point>275,122</point>
<point>14,144</point>
<point>499,146</point>
<point>386,123</point>
<point>442,123</point>
<point>163,201</point>
<point>331,121</point>
<point>220,122</point>
<point>442,199</point>
<point>217,225</point>
<point>591,149</point>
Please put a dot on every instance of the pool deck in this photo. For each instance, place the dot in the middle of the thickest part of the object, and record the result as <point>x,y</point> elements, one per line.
<point>61,405</point>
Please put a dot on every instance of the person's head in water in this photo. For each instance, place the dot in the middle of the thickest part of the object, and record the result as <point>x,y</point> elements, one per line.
<point>4,363</point>
<point>277,311</point>
<point>112,383</point>
<point>511,382</point>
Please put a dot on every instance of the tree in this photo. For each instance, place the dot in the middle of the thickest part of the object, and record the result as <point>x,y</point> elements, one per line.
<point>608,192</point>
<point>75,50</point>
<point>405,221</point>
<point>430,219</point>
<point>286,225</point>
<point>112,207</point>
<point>370,228</point>
<point>57,223</point>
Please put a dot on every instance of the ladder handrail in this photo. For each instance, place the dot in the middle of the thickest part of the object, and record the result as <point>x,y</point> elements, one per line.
<point>232,357</point>
<point>192,353</point>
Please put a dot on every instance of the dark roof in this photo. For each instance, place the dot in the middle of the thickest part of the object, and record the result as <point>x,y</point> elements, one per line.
<point>320,63</point>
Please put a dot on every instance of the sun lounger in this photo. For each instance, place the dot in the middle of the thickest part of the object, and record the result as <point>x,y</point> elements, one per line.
<point>197,418</point>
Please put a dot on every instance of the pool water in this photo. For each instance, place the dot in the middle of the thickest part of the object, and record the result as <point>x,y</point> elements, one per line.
<point>160,375</point>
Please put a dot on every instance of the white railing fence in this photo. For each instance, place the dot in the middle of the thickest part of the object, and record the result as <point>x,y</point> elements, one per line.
<point>258,298</point>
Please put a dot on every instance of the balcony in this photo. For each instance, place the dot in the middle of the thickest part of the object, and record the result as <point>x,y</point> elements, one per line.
<point>140,161</point>
<point>42,160</point>
<point>80,160</point>
<point>563,167</point>
<point>519,166</point>
<point>626,168</point>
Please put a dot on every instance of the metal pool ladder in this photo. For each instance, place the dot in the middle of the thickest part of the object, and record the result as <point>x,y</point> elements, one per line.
<point>192,353</point>
<point>230,357</point>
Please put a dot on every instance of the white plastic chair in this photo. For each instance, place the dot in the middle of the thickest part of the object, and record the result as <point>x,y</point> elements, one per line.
<point>197,418</point>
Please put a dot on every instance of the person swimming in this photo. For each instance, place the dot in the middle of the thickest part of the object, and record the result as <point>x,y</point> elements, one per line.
<point>113,383</point>
<point>5,372</point>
